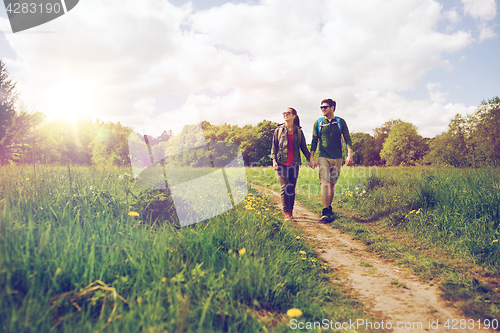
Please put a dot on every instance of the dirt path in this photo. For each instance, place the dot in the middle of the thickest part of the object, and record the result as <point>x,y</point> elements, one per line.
<point>386,289</point>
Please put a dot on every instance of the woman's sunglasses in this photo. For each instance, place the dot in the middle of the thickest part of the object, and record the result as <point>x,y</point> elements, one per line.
<point>287,113</point>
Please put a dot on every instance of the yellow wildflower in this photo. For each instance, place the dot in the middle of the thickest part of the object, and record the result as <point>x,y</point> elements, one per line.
<point>495,241</point>
<point>294,313</point>
<point>302,252</point>
<point>139,299</point>
<point>133,214</point>
<point>298,237</point>
<point>242,251</point>
<point>230,251</point>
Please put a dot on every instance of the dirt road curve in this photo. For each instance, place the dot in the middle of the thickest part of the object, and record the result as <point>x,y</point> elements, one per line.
<point>400,298</point>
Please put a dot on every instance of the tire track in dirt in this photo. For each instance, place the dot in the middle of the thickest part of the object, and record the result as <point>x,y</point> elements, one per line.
<point>390,291</point>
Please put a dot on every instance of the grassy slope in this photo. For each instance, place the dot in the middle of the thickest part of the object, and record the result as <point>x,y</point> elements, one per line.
<point>443,223</point>
<point>73,260</point>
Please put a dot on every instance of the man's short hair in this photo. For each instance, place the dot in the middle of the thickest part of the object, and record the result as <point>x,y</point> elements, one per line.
<point>330,102</point>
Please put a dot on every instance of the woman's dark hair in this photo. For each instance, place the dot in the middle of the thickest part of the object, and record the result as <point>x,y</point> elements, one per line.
<point>296,121</point>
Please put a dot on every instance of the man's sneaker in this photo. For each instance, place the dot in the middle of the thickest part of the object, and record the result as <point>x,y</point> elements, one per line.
<point>288,216</point>
<point>331,214</point>
<point>325,215</point>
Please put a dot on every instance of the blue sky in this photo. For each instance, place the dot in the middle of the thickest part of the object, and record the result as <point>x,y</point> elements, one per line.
<point>156,65</point>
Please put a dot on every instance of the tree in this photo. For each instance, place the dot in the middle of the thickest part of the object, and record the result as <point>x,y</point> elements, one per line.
<point>363,146</point>
<point>262,143</point>
<point>380,135</point>
<point>8,97</point>
<point>21,137</point>
<point>472,140</point>
<point>486,134</point>
<point>110,144</point>
<point>403,146</point>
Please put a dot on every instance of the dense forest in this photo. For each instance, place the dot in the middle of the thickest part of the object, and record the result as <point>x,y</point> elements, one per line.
<point>471,141</point>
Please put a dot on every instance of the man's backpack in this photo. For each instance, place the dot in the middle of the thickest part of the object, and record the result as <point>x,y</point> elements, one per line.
<point>320,124</point>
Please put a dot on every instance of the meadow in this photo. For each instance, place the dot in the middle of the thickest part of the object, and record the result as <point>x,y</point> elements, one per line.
<point>85,250</point>
<point>444,223</point>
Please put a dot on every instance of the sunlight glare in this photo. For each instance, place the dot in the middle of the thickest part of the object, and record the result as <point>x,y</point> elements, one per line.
<point>70,100</point>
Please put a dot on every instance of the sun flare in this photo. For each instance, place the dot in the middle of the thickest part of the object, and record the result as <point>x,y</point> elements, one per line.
<point>70,100</point>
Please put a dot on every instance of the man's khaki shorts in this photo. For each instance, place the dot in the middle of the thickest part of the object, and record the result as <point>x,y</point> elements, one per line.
<point>329,169</point>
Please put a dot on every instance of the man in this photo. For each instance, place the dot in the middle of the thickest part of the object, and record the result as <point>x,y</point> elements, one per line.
<point>330,153</point>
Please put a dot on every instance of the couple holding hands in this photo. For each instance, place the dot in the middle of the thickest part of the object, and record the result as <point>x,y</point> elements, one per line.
<point>289,140</point>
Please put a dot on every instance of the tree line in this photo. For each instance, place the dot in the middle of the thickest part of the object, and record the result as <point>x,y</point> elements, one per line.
<point>470,141</point>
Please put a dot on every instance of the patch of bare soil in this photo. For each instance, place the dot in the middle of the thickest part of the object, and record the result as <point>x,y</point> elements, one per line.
<point>391,292</point>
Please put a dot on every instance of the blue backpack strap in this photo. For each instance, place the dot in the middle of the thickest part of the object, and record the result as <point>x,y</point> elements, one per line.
<point>320,123</point>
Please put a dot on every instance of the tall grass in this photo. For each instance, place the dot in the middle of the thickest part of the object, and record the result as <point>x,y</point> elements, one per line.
<point>455,208</point>
<point>72,259</point>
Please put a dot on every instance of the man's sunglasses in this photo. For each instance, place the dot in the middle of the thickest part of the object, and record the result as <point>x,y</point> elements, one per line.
<point>323,107</point>
<point>287,113</point>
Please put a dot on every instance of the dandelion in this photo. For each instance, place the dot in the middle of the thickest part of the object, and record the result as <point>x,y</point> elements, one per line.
<point>164,279</point>
<point>294,313</point>
<point>298,237</point>
<point>495,241</point>
<point>230,251</point>
<point>242,251</point>
<point>133,214</point>
<point>139,299</point>
<point>302,252</point>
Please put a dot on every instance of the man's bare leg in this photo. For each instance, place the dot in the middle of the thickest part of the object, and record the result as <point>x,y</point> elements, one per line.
<point>325,195</point>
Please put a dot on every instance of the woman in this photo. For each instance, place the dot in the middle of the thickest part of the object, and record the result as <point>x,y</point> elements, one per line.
<point>288,140</point>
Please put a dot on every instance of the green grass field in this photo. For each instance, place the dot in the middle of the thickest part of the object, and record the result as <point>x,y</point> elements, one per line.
<point>79,253</point>
<point>442,223</point>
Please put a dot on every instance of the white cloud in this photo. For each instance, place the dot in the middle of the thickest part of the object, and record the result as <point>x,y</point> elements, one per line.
<point>430,117</point>
<point>486,33</point>
<point>452,16</point>
<point>436,95</point>
<point>241,63</point>
<point>480,9</point>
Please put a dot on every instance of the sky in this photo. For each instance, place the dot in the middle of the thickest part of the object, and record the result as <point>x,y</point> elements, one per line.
<point>155,65</point>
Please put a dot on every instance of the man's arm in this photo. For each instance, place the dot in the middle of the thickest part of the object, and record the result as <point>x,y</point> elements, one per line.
<point>314,144</point>
<point>312,162</point>
<point>349,159</point>
<point>348,142</point>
